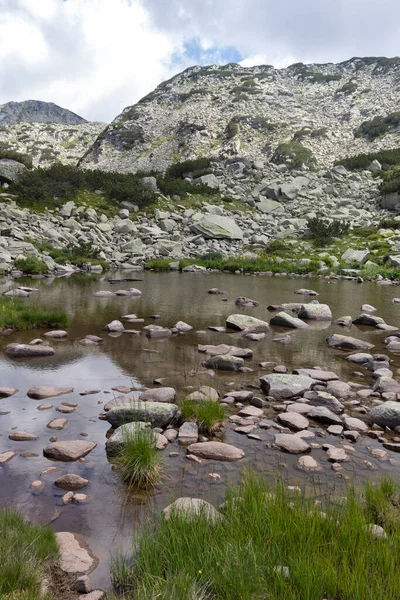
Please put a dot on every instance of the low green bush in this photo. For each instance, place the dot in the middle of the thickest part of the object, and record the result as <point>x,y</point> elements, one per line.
<point>260,547</point>
<point>208,414</point>
<point>324,230</point>
<point>232,129</point>
<point>178,169</point>
<point>24,314</point>
<point>378,126</point>
<point>30,265</point>
<point>362,161</point>
<point>293,154</point>
<point>26,553</point>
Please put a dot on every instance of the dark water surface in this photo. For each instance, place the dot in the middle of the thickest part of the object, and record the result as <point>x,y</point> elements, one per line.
<point>108,518</point>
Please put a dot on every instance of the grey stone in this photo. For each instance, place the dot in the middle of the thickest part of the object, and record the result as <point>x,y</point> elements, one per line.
<point>158,414</point>
<point>283,319</point>
<point>291,443</point>
<point>347,343</point>
<point>285,386</point>
<point>216,451</point>
<point>11,171</point>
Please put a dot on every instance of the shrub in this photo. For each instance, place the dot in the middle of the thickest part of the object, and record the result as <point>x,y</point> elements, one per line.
<point>179,169</point>
<point>378,126</point>
<point>324,230</point>
<point>232,129</point>
<point>31,265</point>
<point>362,161</point>
<point>25,159</point>
<point>265,528</point>
<point>138,460</point>
<point>208,414</point>
<point>53,186</point>
<point>19,314</point>
<point>293,154</point>
<point>25,553</point>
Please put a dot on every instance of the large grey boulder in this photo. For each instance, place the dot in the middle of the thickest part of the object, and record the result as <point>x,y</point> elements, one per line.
<point>315,312</point>
<point>224,349</point>
<point>269,207</point>
<point>158,414</point>
<point>211,180</point>
<point>347,343</point>
<point>11,171</point>
<point>245,322</point>
<point>217,227</point>
<point>368,320</point>
<point>358,256</point>
<point>385,415</point>
<point>282,386</point>
<point>224,363</point>
<point>283,319</point>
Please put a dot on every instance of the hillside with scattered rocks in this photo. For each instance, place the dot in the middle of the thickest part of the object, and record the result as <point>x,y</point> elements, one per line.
<point>232,111</point>
<point>36,111</point>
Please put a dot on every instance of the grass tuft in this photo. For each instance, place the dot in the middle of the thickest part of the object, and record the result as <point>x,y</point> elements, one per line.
<point>208,414</point>
<point>30,265</point>
<point>138,460</point>
<point>329,554</point>
<point>18,314</point>
<point>24,551</point>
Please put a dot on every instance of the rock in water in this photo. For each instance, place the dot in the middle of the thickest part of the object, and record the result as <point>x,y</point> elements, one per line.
<point>68,451</point>
<point>291,443</point>
<point>158,414</point>
<point>245,322</point>
<point>26,351</point>
<point>315,312</point>
<point>385,415</point>
<point>282,386</point>
<point>347,343</point>
<point>48,391</point>
<point>216,451</point>
<point>76,557</point>
<point>224,363</point>
<point>283,319</point>
<point>71,482</point>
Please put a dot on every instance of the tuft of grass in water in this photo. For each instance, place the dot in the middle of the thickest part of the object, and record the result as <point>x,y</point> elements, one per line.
<point>208,414</point>
<point>19,314</point>
<point>330,554</point>
<point>138,460</point>
<point>30,265</point>
<point>24,552</point>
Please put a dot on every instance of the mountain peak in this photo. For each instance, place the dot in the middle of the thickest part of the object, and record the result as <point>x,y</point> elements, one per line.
<point>37,111</point>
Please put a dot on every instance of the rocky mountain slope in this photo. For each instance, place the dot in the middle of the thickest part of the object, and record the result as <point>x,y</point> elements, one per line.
<point>232,111</point>
<point>36,111</point>
<point>47,143</point>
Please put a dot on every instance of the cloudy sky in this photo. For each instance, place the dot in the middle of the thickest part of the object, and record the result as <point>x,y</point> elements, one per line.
<point>97,56</point>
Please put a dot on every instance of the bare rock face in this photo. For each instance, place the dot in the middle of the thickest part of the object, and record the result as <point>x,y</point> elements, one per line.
<point>216,451</point>
<point>76,557</point>
<point>48,391</point>
<point>15,350</point>
<point>68,451</point>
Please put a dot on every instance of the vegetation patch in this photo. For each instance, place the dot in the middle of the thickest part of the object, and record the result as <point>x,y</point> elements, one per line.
<point>20,315</point>
<point>305,132</point>
<point>362,161</point>
<point>348,88</point>
<point>25,553</point>
<point>25,159</point>
<point>208,414</point>
<point>293,154</point>
<point>324,230</point>
<point>262,548</point>
<point>378,126</point>
<point>138,460</point>
<point>30,265</point>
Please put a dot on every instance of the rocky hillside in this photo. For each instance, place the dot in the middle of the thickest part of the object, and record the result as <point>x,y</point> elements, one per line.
<point>232,111</point>
<point>36,111</point>
<point>47,143</point>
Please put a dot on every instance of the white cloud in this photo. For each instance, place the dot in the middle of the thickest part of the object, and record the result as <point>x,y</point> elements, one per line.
<point>97,56</point>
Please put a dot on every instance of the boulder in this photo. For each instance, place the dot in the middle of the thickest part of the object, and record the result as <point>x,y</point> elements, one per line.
<point>353,424</point>
<point>245,302</point>
<point>337,455</point>
<point>57,334</point>
<point>318,374</point>
<point>68,451</point>
<point>48,391</point>
<point>293,420</point>
<point>283,319</point>
<point>308,463</point>
<point>326,400</point>
<point>75,555</point>
<point>11,171</point>
<point>157,332</point>
<point>114,326</point>
<point>158,414</point>
<point>385,415</point>
<point>324,415</point>
<point>188,433</point>
<point>182,327</point>
<point>191,508</point>
<point>216,451</point>
<point>161,394</point>
<point>282,386</point>
<point>291,443</point>
<point>224,349</point>
<point>358,256</point>
<point>22,436</point>
<point>71,482</point>
<point>224,362</point>
<point>248,323</point>
<point>315,312</point>
<point>347,343</point>
<point>217,227</point>
<point>368,320</point>
<point>15,350</point>
<point>305,292</point>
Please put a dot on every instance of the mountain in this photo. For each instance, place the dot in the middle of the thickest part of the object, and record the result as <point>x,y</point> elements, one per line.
<point>232,111</point>
<point>36,111</point>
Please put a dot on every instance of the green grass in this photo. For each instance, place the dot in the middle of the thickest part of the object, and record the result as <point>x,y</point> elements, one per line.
<point>19,314</point>
<point>293,154</point>
<point>159,264</point>
<point>208,414</point>
<point>25,550</point>
<point>31,265</point>
<point>76,255</point>
<point>138,460</point>
<point>329,554</point>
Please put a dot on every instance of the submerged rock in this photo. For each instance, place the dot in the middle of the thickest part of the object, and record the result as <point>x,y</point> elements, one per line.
<point>291,443</point>
<point>71,482</point>
<point>347,343</point>
<point>283,319</point>
<point>224,349</point>
<point>216,451</point>
<point>245,322</point>
<point>224,363</point>
<point>26,351</point>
